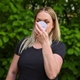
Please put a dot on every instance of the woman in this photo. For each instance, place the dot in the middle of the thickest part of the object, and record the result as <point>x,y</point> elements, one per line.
<point>40,56</point>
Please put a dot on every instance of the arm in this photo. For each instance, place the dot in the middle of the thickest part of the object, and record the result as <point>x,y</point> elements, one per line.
<point>13,70</point>
<point>52,62</point>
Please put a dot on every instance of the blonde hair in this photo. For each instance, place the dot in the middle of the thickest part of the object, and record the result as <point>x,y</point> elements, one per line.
<point>54,34</point>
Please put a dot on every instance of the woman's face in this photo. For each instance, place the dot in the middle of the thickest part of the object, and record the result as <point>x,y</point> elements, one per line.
<point>44,16</point>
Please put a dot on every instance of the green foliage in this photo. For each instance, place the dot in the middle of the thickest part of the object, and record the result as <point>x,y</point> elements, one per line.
<point>16,22</point>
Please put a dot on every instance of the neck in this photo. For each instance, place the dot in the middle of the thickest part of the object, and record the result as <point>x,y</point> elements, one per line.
<point>37,44</point>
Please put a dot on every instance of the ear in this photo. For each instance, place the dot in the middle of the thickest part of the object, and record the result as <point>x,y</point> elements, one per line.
<point>53,26</point>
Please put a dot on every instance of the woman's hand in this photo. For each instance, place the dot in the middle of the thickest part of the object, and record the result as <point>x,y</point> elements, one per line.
<point>40,34</point>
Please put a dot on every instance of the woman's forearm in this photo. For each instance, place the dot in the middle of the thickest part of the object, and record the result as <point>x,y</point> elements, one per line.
<point>11,76</point>
<point>50,65</point>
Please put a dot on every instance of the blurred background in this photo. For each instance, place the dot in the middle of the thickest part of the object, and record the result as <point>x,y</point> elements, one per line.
<point>16,22</point>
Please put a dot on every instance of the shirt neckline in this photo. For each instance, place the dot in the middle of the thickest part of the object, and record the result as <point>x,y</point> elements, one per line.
<point>36,48</point>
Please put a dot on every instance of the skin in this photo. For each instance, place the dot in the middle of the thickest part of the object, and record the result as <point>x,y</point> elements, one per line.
<point>52,62</point>
<point>13,70</point>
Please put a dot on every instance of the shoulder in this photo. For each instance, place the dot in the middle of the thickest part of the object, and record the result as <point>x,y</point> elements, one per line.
<point>58,44</point>
<point>19,45</point>
<point>58,48</point>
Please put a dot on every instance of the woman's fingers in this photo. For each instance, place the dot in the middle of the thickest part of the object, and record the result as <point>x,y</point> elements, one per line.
<point>39,27</point>
<point>37,30</point>
<point>40,33</point>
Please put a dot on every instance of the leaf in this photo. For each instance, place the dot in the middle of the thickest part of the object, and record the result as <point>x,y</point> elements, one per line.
<point>11,35</point>
<point>1,43</point>
<point>72,67</point>
<point>20,30</point>
<point>69,42</point>
<point>1,6</point>
<point>25,32</point>
<point>78,36</point>
<point>67,37</point>
<point>6,8</point>
<point>70,77</point>
<point>1,72</point>
<point>77,49</point>
<point>78,44</point>
<point>21,22</point>
<point>2,33</point>
<point>5,39</point>
<point>14,9</point>
<point>76,25</point>
<point>12,17</point>
<point>8,27</point>
<point>18,37</point>
<point>64,77</point>
<point>4,62</point>
<point>70,51</point>
<point>15,23</point>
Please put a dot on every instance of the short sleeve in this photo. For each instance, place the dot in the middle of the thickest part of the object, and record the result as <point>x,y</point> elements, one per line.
<point>17,47</point>
<point>59,48</point>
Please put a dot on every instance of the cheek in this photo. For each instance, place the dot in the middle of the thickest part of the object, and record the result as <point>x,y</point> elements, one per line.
<point>48,29</point>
